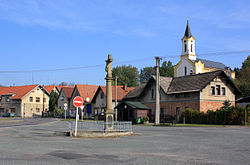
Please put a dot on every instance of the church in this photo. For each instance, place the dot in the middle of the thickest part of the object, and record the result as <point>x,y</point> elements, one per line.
<point>189,64</point>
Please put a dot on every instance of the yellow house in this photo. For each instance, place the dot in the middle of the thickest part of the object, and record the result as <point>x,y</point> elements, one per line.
<point>24,101</point>
<point>189,63</point>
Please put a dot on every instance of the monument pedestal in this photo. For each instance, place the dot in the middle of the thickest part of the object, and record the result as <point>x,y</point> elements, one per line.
<point>109,121</point>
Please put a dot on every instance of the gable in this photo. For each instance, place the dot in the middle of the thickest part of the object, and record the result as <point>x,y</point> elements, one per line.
<point>197,82</point>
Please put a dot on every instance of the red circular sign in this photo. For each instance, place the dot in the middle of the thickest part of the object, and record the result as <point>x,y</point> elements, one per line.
<point>78,101</point>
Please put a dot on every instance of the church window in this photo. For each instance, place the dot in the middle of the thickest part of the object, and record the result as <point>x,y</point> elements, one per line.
<point>191,47</point>
<point>184,41</point>
<point>185,47</point>
<point>185,71</point>
<point>191,72</point>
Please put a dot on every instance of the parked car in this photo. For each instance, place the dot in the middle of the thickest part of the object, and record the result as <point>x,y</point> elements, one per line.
<point>8,115</point>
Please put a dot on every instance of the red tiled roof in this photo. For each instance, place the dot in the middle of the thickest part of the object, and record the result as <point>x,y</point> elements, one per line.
<point>18,91</point>
<point>120,91</point>
<point>87,91</point>
<point>49,88</point>
<point>60,87</point>
<point>68,90</point>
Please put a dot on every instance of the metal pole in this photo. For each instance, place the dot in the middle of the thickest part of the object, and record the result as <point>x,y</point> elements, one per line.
<point>157,93</point>
<point>76,121</point>
<point>115,98</point>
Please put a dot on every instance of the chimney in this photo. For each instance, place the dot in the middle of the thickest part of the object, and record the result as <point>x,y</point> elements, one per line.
<point>125,87</point>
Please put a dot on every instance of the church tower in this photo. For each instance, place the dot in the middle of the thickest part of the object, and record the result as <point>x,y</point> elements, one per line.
<point>188,44</point>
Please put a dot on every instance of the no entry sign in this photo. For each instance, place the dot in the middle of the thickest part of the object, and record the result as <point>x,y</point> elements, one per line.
<point>78,101</point>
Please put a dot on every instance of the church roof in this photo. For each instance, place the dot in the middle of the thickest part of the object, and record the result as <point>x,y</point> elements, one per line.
<point>212,64</point>
<point>188,31</point>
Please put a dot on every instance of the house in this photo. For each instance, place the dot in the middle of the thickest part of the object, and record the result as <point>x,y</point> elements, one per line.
<point>51,88</point>
<point>24,101</point>
<point>87,92</point>
<point>99,99</point>
<point>65,96</point>
<point>243,102</point>
<point>131,111</point>
<point>189,63</point>
<point>202,92</point>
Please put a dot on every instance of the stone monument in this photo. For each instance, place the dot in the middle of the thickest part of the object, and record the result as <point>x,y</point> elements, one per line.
<point>109,114</point>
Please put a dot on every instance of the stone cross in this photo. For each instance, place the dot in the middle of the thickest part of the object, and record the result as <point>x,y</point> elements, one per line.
<point>109,114</point>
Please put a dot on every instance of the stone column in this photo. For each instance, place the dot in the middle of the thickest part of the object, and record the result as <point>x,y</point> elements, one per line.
<point>109,115</point>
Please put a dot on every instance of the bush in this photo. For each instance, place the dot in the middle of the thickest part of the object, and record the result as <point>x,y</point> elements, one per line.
<point>234,115</point>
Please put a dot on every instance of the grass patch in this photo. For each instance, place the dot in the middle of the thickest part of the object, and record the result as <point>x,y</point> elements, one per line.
<point>188,125</point>
<point>4,119</point>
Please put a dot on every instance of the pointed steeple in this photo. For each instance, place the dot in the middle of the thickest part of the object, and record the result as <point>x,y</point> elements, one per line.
<point>188,31</point>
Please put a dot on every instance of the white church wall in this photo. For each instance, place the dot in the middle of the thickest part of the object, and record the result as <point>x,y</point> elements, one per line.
<point>181,70</point>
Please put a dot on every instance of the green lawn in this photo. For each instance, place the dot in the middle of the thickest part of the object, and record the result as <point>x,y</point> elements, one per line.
<point>5,119</point>
<point>189,125</point>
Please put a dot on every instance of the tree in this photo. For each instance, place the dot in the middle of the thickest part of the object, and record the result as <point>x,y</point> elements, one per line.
<point>167,69</point>
<point>243,77</point>
<point>146,73</point>
<point>126,75</point>
<point>67,84</point>
<point>53,101</point>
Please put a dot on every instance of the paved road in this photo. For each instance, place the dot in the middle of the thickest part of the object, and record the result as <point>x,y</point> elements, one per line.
<point>41,143</point>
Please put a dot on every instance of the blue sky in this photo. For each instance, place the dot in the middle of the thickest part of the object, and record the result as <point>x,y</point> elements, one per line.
<point>51,34</point>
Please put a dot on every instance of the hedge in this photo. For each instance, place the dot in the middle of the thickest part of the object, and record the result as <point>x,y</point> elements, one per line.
<point>234,115</point>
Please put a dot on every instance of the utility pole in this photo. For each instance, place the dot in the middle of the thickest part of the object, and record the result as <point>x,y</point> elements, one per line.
<point>157,92</point>
<point>115,98</point>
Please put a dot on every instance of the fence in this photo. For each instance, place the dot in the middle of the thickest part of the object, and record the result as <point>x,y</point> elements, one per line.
<point>100,126</point>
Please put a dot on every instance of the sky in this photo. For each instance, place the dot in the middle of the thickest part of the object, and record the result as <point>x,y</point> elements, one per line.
<point>79,34</point>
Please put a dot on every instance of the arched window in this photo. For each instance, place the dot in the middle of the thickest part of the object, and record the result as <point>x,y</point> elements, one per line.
<point>185,47</point>
<point>191,47</point>
<point>185,70</point>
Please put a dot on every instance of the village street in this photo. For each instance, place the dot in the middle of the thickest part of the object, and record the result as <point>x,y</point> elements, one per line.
<point>44,143</point>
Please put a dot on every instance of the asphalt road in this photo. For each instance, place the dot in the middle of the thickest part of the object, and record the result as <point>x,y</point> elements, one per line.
<point>43,143</point>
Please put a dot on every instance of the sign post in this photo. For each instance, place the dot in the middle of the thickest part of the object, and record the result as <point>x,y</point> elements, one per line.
<point>65,109</point>
<point>81,107</point>
<point>78,101</point>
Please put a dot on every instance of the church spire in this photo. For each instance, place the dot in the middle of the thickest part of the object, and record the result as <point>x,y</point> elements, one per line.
<point>188,31</point>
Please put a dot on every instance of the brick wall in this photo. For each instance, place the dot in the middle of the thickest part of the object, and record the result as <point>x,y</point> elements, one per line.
<point>211,105</point>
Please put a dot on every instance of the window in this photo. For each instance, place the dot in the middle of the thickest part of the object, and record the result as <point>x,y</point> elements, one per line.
<point>62,98</point>
<point>1,110</point>
<point>218,89</point>
<point>185,71</point>
<point>8,100</point>
<point>102,95</point>
<point>185,47</point>
<point>191,47</point>
<point>31,99</point>
<point>162,111</point>
<point>37,99</point>
<point>37,109</point>
<point>152,93</point>
<point>12,110</point>
<point>44,100</point>
<point>223,91</point>
<point>191,72</point>
<point>212,90</point>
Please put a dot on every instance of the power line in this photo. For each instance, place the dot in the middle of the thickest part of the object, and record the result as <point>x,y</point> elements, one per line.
<point>123,62</point>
